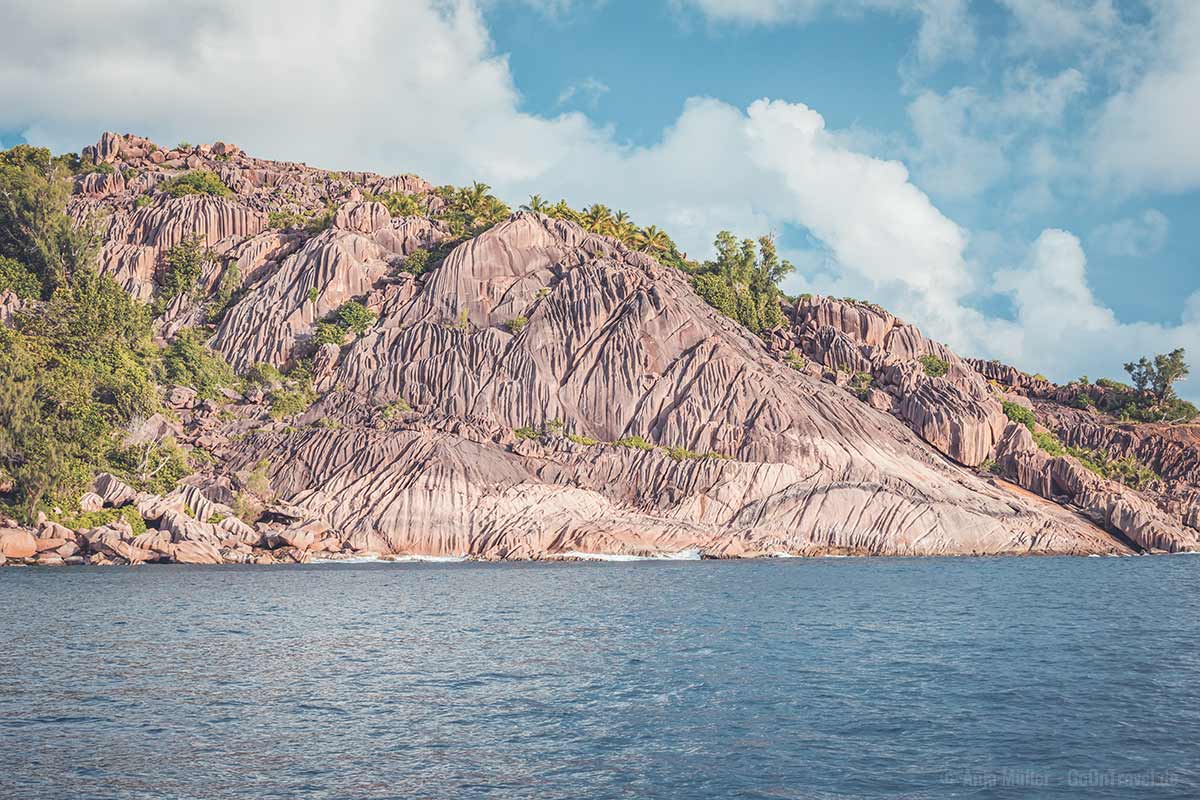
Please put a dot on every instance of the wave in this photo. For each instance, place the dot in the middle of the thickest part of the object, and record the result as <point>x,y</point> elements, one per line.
<point>374,558</point>
<point>410,557</point>
<point>691,554</point>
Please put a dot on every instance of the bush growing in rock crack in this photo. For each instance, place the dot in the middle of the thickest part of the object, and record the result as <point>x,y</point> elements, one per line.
<point>934,366</point>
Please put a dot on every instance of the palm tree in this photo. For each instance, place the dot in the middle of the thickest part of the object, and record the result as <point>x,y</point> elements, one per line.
<point>651,239</point>
<point>623,227</point>
<point>474,198</point>
<point>537,204</point>
<point>561,210</point>
<point>598,219</point>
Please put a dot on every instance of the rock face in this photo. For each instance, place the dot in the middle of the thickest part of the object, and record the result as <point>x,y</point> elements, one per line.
<point>545,391</point>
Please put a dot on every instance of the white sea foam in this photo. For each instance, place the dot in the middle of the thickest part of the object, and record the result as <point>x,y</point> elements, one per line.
<point>363,559</point>
<point>410,557</point>
<point>691,554</point>
<point>374,558</point>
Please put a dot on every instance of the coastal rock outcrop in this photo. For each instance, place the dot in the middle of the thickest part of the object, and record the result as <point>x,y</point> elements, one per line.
<point>541,391</point>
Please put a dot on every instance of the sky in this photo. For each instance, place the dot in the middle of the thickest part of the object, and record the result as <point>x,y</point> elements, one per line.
<point>1020,178</point>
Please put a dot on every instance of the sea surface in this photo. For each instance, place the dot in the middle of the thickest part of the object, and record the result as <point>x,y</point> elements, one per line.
<point>826,678</point>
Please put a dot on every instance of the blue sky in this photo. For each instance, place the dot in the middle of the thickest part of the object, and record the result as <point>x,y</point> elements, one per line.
<point>632,67</point>
<point>1018,177</point>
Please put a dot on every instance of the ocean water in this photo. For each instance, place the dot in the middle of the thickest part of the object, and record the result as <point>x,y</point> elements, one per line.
<point>828,678</point>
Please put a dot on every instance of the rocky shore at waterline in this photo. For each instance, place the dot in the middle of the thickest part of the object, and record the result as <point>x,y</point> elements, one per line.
<point>381,378</point>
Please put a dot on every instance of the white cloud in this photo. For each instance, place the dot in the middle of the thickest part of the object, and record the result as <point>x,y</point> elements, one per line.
<point>964,138</point>
<point>412,86</point>
<point>1146,136</point>
<point>588,91</point>
<point>1062,330</point>
<point>1133,237</point>
<point>952,161</point>
<point>946,28</point>
<point>1061,24</point>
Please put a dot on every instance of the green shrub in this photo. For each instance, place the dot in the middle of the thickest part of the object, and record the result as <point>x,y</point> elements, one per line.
<point>188,361</point>
<point>860,385</point>
<point>95,519</point>
<point>1049,443</point>
<point>526,433</point>
<point>227,288</point>
<point>934,366</point>
<point>319,221</point>
<point>794,360</point>
<point>585,441</point>
<point>1083,401</point>
<point>1127,470</point>
<point>396,408</point>
<point>17,278</point>
<point>197,181</point>
<point>516,324</point>
<point>265,375</point>
<point>72,373</point>
<point>1019,413</point>
<point>418,262</point>
<point>328,333</point>
<point>183,146</point>
<point>356,317</point>
<point>681,453</point>
<point>285,220</point>
<point>142,200</point>
<point>185,264</point>
<point>259,479</point>
<point>1115,386</point>
<point>742,283</point>
<point>289,401</point>
<point>155,467</point>
<point>634,441</point>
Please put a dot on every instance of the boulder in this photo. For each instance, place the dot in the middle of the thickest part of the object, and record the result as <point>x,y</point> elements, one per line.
<point>17,543</point>
<point>112,542</point>
<point>181,397</point>
<point>113,490</point>
<point>90,501</point>
<point>196,553</point>
<point>52,530</point>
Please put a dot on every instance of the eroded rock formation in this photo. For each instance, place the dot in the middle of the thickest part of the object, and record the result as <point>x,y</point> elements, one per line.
<point>545,391</point>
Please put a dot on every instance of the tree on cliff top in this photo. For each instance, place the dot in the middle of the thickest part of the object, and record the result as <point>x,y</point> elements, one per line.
<point>742,283</point>
<point>1160,375</point>
<point>1157,378</point>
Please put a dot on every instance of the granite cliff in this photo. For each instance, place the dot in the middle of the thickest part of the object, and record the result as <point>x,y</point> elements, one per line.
<point>535,390</point>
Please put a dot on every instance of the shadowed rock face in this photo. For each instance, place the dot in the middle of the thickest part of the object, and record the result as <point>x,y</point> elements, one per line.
<point>728,449</point>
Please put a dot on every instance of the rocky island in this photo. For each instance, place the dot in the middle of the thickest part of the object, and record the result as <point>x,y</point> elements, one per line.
<point>208,357</point>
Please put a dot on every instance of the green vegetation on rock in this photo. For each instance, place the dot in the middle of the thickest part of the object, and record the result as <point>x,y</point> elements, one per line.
<point>742,283</point>
<point>188,361</point>
<point>1019,413</point>
<point>934,366</point>
<point>196,181</point>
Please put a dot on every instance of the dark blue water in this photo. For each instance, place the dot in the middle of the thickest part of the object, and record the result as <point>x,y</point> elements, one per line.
<point>974,678</point>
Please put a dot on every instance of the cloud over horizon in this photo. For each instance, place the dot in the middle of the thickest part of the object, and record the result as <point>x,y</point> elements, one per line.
<point>417,86</point>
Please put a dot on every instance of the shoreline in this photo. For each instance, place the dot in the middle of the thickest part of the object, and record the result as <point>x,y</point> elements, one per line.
<point>687,556</point>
